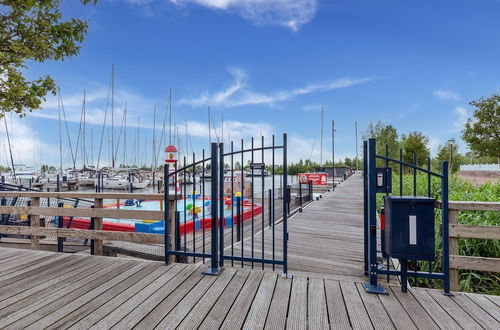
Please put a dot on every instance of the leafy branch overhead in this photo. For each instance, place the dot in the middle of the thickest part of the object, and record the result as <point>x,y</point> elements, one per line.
<point>33,31</point>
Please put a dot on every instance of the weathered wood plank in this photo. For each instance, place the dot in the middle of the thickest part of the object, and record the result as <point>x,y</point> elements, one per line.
<point>486,304</point>
<point>139,306</point>
<point>454,310</point>
<point>276,318</point>
<point>297,311</point>
<point>198,312</point>
<point>105,291</point>
<point>183,308</point>
<point>475,263</point>
<point>256,317</point>
<point>339,319</point>
<point>413,308</point>
<point>357,313</point>
<point>438,314</point>
<point>453,220</point>
<point>396,312</point>
<point>472,231</point>
<point>33,309</point>
<point>378,316</point>
<point>218,312</point>
<point>86,234</point>
<point>240,307</point>
<point>94,313</point>
<point>485,319</point>
<point>471,206</point>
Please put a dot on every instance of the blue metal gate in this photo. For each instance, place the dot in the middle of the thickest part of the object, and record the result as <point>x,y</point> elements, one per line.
<point>239,199</point>
<point>372,266</point>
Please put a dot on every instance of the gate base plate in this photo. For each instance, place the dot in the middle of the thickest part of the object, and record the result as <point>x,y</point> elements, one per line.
<point>377,289</point>
<point>212,271</point>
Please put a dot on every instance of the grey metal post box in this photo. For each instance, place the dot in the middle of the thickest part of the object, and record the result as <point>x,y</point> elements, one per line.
<point>409,227</point>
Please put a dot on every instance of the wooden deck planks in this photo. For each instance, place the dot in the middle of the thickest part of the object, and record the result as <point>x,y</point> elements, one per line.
<point>81,292</point>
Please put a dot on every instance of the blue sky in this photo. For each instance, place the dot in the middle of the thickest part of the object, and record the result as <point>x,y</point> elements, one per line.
<point>268,67</point>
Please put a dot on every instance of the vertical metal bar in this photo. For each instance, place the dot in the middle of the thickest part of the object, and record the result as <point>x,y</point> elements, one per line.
<point>193,195</point>
<point>285,214</point>
<point>184,195</point>
<point>300,195</point>
<point>203,200</point>
<point>232,202</point>
<point>263,199</point>
<point>372,212</point>
<point>446,236</point>
<point>273,201</point>
<point>414,174</point>
<point>382,232</point>
<point>58,183</point>
<point>429,195</point>
<point>253,202</point>
<point>400,172</point>
<point>333,157</point>
<point>221,204</point>
<point>365,204</point>
<point>91,227</point>
<point>214,263</point>
<point>240,210</point>
<point>166,213</point>
<point>60,224</point>
<point>238,219</point>
<point>270,205</point>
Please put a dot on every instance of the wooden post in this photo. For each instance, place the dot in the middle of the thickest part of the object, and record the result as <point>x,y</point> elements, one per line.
<point>452,220</point>
<point>35,222</point>
<point>172,203</point>
<point>98,204</point>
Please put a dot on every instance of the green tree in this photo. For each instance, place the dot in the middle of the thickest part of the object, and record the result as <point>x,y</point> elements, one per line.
<point>384,135</point>
<point>482,132</point>
<point>33,31</point>
<point>415,142</point>
<point>449,152</point>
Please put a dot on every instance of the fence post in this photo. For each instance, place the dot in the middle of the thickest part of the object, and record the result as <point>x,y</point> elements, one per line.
<point>300,196</point>
<point>98,204</point>
<point>372,286</point>
<point>365,206</point>
<point>238,218</point>
<point>3,202</point>
<point>221,204</point>
<point>446,228</point>
<point>214,263</point>
<point>285,214</point>
<point>453,219</point>
<point>35,223</point>
<point>60,224</point>
<point>58,184</point>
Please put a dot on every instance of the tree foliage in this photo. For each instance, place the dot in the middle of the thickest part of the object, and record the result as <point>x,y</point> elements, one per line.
<point>415,143</point>
<point>33,31</point>
<point>385,135</point>
<point>482,132</point>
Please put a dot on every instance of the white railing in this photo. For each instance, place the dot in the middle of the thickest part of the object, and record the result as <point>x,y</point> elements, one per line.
<point>480,167</point>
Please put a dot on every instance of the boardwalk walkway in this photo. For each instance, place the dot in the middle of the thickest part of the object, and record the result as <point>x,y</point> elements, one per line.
<point>326,238</point>
<point>49,290</point>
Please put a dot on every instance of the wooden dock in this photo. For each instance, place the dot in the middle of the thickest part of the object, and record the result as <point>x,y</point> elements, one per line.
<point>40,289</point>
<point>49,290</point>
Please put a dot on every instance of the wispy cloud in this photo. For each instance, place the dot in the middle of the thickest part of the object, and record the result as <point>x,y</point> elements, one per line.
<point>461,116</point>
<point>292,14</point>
<point>238,94</point>
<point>446,95</point>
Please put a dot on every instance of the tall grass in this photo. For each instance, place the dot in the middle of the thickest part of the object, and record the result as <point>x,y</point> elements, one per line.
<point>459,190</point>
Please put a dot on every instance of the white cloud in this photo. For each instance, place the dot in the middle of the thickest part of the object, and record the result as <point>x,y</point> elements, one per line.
<point>446,95</point>
<point>238,94</point>
<point>291,14</point>
<point>461,118</point>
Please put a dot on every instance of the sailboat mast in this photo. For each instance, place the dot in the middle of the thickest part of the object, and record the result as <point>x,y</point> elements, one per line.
<point>321,147</point>
<point>83,128</point>
<point>356,136</point>
<point>153,154</point>
<point>112,116</point>
<point>170,116</point>
<point>125,137</point>
<point>10,148</point>
<point>222,128</point>
<point>60,131</point>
